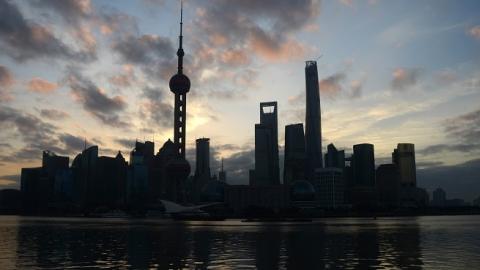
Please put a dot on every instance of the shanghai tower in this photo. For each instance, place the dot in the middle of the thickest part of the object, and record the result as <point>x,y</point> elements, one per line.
<point>313,129</point>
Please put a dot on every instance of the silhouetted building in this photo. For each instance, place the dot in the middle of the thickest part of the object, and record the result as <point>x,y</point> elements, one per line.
<point>313,128</point>
<point>10,201</point>
<point>241,198</point>
<point>294,161</point>
<point>404,157</point>
<point>329,186</point>
<point>266,146</point>
<point>362,191</point>
<point>334,158</point>
<point>213,191</point>
<point>439,197</point>
<point>137,181</point>
<point>178,169</point>
<point>34,188</point>
<point>388,185</point>
<point>222,175</point>
<point>202,169</point>
<point>364,165</point>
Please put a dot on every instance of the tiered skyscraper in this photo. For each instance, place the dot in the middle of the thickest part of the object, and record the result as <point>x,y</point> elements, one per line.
<point>266,146</point>
<point>313,129</point>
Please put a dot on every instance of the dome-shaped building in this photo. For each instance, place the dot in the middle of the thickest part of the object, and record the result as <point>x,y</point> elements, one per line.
<point>302,190</point>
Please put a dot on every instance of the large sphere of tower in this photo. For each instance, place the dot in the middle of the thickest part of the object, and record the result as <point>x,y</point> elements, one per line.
<point>179,84</point>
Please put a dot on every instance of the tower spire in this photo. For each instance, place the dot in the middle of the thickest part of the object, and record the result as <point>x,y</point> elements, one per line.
<point>180,52</point>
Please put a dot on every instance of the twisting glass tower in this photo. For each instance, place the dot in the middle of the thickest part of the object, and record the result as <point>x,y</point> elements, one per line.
<point>178,169</point>
<point>180,85</point>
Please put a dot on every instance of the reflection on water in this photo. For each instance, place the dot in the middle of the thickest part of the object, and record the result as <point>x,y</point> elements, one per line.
<point>401,243</point>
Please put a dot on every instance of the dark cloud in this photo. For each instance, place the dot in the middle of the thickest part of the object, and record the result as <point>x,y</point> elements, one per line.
<point>404,78</point>
<point>331,86</point>
<point>264,26</point>
<point>127,143</point>
<point>24,40</point>
<point>71,11</point>
<point>10,181</point>
<point>428,164</point>
<point>438,148</point>
<point>465,129</point>
<point>6,81</point>
<point>155,110</point>
<point>459,181</point>
<point>96,102</point>
<point>53,114</point>
<point>72,144</point>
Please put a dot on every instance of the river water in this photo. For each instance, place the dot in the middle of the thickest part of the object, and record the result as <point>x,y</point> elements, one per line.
<point>445,242</point>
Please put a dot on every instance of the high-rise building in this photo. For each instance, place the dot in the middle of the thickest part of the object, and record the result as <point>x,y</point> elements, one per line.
<point>266,146</point>
<point>404,157</point>
<point>388,185</point>
<point>334,158</point>
<point>294,162</point>
<point>313,130</point>
<point>329,185</point>
<point>363,165</point>
<point>202,157</point>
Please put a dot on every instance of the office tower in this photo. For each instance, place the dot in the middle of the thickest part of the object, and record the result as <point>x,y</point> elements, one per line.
<point>178,169</point>
<point>404,157</point>
<point>202,157</point>
<point>294,162</point>
<point>202,169</point>
<point>313,129</point>
<point>334,158</point>
<point>364,165</point>
<point>222,175</point>
<point>388,185</point>
<point>266,146</point>
<point>329,186</point>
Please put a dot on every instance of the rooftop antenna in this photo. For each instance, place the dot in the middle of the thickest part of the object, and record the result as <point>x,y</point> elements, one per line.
<point>318,57</point>
<point>222,164</point>
<point>85,143</point>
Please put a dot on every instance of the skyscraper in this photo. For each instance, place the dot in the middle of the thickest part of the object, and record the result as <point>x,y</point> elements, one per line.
<point>202,157</point>
<point>364,165</point>
<point>266,146</point>
<point>404,157</point>
<point>334,158</point>
<point>294,162</point>
<point>313,130</point>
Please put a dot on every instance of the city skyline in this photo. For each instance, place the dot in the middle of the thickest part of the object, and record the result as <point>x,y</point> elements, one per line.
<point>100,108</point>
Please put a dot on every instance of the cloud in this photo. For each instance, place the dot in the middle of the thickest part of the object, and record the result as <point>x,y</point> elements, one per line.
<point>235,57</point>
<point>464,129</point>
<point>459,181</point>
<point>356,88</point>
<point>404,78</point>
<point>127,143</point>
<point>439,148</point>
<point>266,27</point>
<point>348,3</point>
<point>42,86</point>
<point>71,11</point>
<point>6,81</point>
<point>10,181</point>
<point>475,32</point>
<point>155,111</point>
<point>125,79</point>
<point>95,101</point>
<point>331,85</point>
<point>72,144</point>
<point>53,114</point>
<point>24,40</point>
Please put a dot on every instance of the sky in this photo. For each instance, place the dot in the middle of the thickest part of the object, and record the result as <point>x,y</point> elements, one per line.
<point>97,72</point>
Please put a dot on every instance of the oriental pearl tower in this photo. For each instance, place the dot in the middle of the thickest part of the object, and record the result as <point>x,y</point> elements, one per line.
<point>178,169</point>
